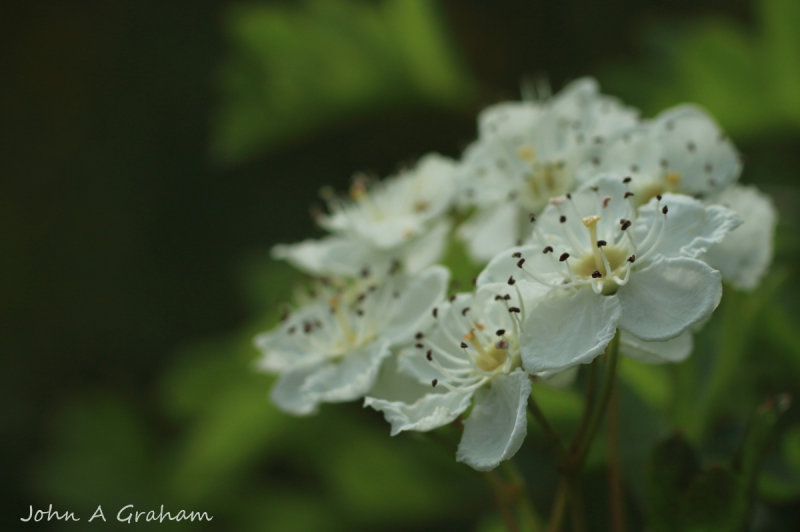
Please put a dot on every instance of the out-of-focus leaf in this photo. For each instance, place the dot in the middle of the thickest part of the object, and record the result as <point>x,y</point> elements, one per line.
<point>673,466</point>
<point>294,68</point>
<point>102,455</point>
<point>650,381</point>
<point>714,501</point>
<point>748,80</point>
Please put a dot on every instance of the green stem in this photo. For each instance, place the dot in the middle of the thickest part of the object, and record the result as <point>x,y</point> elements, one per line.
<point>590,399</point>
<point>559,505</point>
<point>552,435</point>
<point>501,492</point>
<point>528,516</point>
<point>577,516</point>
<point>615,494</point>
<point>581,446</point>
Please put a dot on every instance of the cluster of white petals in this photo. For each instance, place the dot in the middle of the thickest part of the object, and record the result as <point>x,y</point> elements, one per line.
<point>585,223</point>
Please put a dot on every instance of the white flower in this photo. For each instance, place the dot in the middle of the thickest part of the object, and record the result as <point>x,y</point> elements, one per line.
<point>400,219</point>
<point>745,254</point>
<point>332,349</point>
<point>682,151</point>
<point>528,152</point>
<point>471,354</point>
<point>348,256</point>
<point>393,210</point>
<point>610,265</point>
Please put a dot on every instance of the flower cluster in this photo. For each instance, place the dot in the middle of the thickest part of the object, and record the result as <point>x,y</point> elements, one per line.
<point>585,222</point>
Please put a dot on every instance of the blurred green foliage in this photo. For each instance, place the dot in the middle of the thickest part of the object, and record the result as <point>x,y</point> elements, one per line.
<point>296,68</point>
<point>747,77</point>
<point>209,439</point>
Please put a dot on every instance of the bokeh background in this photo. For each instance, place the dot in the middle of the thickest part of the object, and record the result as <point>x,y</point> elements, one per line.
<point>154,151</point>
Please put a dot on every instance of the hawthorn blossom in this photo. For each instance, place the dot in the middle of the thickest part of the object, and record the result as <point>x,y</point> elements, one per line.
<point>400,219</point>
<point>331,349</point>
<point>744,255</point>
<point>681,151</point>
<point>608,265</point>
<point>470,355</point>
<point>528,152</point>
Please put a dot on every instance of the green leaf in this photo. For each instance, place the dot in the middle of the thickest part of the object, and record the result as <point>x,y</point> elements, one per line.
<point>295,68</point>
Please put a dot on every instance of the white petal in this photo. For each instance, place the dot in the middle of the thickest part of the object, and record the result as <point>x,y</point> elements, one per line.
<point>287,393</point>
<point>744,255</point>
<point>427,413</point>
<point>691,229</point>
<point>413,309</point>
<point>568,328</point>
<point>498,422</point>
<point>348,378</point>
<point>504,264</point>
<point>424,250</point>
<point>491,231</point>
<point>665,298</point>
<point>694,148</point>
<point>333,255</point>
<point>672,350</point>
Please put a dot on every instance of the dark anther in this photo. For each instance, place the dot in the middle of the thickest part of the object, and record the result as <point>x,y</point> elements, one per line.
<point>419,345</point>
<point>291,329</point>
<point>361,297</point>
<point>658,197</point>
<point>364,272</point>
<point>360,312</point>
<point>435,312</point>
<point>395,294</point>
<point>596,274</point>
<point>569,196</point>
<point>429,354</point>
<point>606,200</point>
<point>664,209</point>
<point>500,332</point>
<point>708,168</point>
<point>516,254</point>
<point>514,309</point>
<point>594,188</point>
<point>451,298</point>
<point>563,257</point>
<point>595,160</point>
<point>663,163</point>
<point>464,311</point>
<point>394,267</point>
<point>628,194</point>
<point>506,297</point>
<point>419,336</point>
<point>474,281</point>
<point>548,249</point>
<point>627,180</point>
<point>690,146</point>
<point>562,218</point>
<point>307,327</point>
<point>601,243</point>
<point>624,224</point>
<point>532,217</point>
<point>434,382</point>
<point>632,258</point>
<point>463,345</point>
<point>511,280</point>
<point>498,297</point>
<point>520,262</point>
